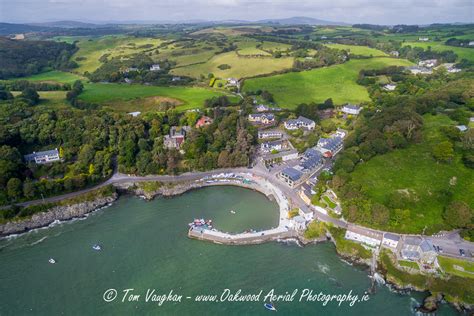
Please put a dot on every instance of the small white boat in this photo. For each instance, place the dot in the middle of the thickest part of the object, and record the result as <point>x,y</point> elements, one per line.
<point>52,261</point>
<point>97,247</point>
<point>232,212</point>
<point>270,307</point>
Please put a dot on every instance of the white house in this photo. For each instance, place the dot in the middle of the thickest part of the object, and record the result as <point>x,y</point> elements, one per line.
<point>134,114</point>
<point>300,122</point>
<point>351,109</point>
<point>43,157</point>
<point>389,87</point>
<point>262,108</point>
<point>306,213</point>
<point>417,248</point>
<point>423,39</point>
<point>269,134</point>
<point>298,222</point>
<point>155,67</point>
<point>428,63</point>
<point>233,82</point>
<point>363,235</point>
<point>394,53</point>
<point>420,70</point>
<point>274,145</point>
<point>462,128</point>
<point>390,240</point>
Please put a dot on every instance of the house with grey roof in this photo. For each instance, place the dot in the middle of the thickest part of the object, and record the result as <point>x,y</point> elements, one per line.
<point>417,248</point>
<point>291,176</point>
<point>277,145</point>
<point>462,128</point>
<point>300,122</point>
<point>329,147</point>
<point>351,109</point>
<point>265,134</point>
<point>262,118</point>
<point>43,157</point>
<point>390,240</point>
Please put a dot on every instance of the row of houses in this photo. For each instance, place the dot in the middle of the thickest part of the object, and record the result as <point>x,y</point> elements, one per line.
<point>412,248</point>
<point>311,162</point>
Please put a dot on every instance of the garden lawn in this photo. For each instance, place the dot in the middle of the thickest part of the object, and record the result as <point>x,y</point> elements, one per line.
<point>409,264</point>
<point>189,97</point>
<point>456,266</point>
<point>359,50</point>
<point>337,82</point>
<point>414,170</point>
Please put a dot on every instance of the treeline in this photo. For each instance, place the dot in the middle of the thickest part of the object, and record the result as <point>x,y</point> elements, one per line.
<point>90,141</point>
<point>24,58</point>
<point>418,53</point>
<point>20,85</point>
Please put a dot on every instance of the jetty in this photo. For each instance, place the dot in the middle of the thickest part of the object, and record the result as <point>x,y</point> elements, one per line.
<point>252,238</point>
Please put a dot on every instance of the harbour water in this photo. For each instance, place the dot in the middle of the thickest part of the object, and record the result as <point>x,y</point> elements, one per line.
<point>145,248</point>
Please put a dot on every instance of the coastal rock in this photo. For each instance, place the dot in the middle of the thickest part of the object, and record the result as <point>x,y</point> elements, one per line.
<point>57,213</point>
<point>430,303</point>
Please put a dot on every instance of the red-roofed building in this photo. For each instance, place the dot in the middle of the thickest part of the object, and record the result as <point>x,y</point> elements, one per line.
<point>203,121</point>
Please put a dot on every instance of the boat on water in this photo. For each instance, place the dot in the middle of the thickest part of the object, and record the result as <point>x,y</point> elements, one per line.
<point>232,211</point>
<point>97,247</point>
<point>52,261</point>
<point>270,307</point>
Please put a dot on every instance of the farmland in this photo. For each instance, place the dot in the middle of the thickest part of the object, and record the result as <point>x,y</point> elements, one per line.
<point>241,67</point>
<point>127,95</point>
<point>90,50</point>
<point>337,82</point>
<point>463,53</point>
<point>54,76</point>
<point>358,50</point>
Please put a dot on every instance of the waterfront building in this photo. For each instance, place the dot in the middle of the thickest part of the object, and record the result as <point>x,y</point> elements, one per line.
<point>291,176</point>
<point>417,248</point>
<point>390,240</point>
<point>363,235</point>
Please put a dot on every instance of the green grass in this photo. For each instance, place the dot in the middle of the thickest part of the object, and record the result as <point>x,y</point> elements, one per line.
<point>462,52</point>
<point>414,170</point>
<point>241,67</point>
<point>409,264</point>
<point>456,289</point>
<point>328,201</point>
<point>359,50</point>
<point>337,82</point>
<point>455,266</point>
<point>115,45</point>
<point>54,76</point>
<point>190,97</point>
<point>348,247</point>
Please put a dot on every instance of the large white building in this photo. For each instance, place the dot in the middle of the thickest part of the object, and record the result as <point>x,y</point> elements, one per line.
<point>365,236</point>
<point>300,122</point>
<point>390,240</point>
<point>43,157</point>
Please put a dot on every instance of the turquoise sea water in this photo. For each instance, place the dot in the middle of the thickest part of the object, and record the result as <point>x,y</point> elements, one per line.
<point>145,246</point>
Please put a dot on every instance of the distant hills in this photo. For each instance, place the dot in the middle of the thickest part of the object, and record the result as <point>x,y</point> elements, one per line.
<point>301,20</point>
<point>66,24</point>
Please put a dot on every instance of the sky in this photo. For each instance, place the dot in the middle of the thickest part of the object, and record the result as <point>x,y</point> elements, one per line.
<point>349,11</point>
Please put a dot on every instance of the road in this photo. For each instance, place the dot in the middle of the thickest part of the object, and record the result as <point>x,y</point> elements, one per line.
<point>449,242</point>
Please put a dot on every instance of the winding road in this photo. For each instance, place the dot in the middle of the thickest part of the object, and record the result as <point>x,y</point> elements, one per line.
<point>450,242</point>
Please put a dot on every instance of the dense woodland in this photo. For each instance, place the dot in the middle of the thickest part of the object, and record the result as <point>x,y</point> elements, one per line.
<point>23,58</point>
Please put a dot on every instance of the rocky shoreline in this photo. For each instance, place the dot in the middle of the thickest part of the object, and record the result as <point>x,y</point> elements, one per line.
<point>56,213</point>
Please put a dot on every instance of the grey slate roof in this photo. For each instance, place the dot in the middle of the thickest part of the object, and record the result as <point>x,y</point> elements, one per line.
<point>391,236</point>
<point>33,155</point>
<point>292,173</point>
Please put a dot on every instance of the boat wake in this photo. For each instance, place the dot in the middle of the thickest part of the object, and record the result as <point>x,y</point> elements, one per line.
<point>323,268</point>
<point>38,241</point>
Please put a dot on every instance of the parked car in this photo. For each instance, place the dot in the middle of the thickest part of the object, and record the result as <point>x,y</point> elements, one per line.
<point>462,252</point>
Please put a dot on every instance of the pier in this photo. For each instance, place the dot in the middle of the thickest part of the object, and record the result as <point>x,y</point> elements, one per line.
<point>243,238</point>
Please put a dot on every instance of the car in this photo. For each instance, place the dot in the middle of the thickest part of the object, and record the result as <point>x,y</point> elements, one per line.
<point>462,252</point>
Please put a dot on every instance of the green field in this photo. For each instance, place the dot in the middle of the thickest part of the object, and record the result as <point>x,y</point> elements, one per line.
<point>462,268</point>
<point>54,76</point>
<point>359,50</point>
<point>109,94</point>
<point>241,67</point>
<point>414,171</point>
<point>93,48</point>
<point>337,82</point>
<point>463,53</point>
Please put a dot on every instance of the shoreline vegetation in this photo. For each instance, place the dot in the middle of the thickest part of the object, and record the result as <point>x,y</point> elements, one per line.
<point>450,288</point>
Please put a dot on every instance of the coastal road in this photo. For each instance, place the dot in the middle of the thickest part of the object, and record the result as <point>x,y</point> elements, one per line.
<point>450,242</point>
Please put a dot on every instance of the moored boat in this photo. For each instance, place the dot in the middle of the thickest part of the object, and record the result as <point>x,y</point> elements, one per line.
<point>52,261</point>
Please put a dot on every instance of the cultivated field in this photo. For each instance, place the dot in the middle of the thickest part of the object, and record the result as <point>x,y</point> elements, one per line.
<point>337,82</point>
<point>54,76</point>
